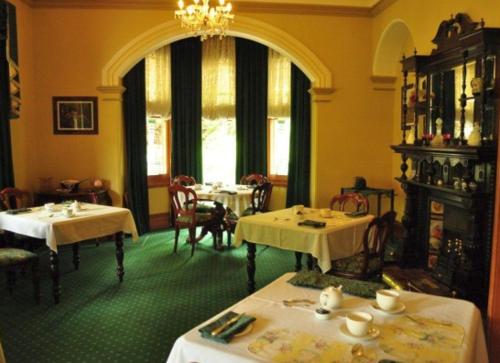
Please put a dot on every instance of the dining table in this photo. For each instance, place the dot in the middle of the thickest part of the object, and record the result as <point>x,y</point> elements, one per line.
<point>341,236</point>
<point>235,197</point>
<point>56,228</point>
<point>428,328</point>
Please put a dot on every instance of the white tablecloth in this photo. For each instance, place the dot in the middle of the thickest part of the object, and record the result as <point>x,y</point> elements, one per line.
<point>342,236</point>
<point>91,222</point>
<point>237,202</point>
<point>266,305</point>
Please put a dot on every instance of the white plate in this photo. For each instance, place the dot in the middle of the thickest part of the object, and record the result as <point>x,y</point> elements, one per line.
<point>245,331</point>
<point>373,333</point>
<point>400,307</point>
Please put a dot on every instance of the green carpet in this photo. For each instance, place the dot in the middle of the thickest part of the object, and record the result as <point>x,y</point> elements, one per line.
<point>99,320</point>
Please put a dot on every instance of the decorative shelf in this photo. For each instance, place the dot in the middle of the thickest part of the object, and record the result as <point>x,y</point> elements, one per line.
<point>484,152</point>
<point>444,189</point>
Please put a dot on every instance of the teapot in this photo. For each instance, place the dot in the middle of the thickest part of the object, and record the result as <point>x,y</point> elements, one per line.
<point>331,297</point>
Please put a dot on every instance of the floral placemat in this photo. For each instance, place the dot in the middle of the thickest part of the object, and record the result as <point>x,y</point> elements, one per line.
<point>285,345</point>
<point>414,338</point>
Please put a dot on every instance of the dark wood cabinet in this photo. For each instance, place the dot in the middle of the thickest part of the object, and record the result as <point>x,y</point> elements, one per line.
<point>449,123</point>
<point>96,196</point>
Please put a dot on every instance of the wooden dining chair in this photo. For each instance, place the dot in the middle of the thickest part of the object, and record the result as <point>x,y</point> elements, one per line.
<point>370,261</point>
<point>253,179</point>
<point>184,180</point>
<point>188,214</point>
<point>13,259</point>
<point>349,201</point>
<point>261,197</point>
<point>13,198</point>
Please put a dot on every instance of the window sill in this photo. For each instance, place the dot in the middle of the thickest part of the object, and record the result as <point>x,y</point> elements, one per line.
<point>278,180</point>
<point>158,181</point>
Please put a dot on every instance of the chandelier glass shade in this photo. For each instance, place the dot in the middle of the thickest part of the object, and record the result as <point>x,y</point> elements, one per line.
<point>201,19</point>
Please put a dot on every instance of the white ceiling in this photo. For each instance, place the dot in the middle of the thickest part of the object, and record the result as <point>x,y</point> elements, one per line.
<point>360,3</point>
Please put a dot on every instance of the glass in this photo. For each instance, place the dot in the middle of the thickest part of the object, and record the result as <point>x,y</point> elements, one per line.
<point>279,146</point>
<point>156,138</point>
<point>219,150</point>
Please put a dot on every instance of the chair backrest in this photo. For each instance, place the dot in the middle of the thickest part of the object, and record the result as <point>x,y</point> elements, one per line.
<point>184,180</point>
<point>353,200</point>
<point>261,196</point>
<point>183,201</point>
<point>13,198</point>
<point>253,179</point>
<point>375,238</point>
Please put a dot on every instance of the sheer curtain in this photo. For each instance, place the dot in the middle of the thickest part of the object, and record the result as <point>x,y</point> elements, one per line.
<point>218,78</point>
<point>279,82</point>
<point>218,110</point>
<point>158,83</point>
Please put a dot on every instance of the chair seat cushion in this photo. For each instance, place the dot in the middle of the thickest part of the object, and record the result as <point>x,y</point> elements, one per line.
<point>232,217</point>
<point>247,212</point>
<point>13,256</point>
<point>200,218</point>
<point>354,264</point>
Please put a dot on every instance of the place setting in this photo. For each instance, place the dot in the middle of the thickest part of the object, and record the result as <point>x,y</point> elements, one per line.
<point>388,302</point>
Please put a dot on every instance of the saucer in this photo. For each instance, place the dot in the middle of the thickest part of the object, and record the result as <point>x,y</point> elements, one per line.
<point>400,307</point>
<point>373,333</point>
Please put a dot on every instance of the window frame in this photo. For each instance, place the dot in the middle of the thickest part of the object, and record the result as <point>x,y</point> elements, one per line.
<point>163,180</point>
<point>276,179</point>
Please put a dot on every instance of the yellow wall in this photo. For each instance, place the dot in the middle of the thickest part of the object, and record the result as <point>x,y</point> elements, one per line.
<point>22,133</point>
<point>353,130</point>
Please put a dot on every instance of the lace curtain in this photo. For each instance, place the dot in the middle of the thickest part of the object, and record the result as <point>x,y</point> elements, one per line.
<point>158,83</point>
<point>278,85</point>
<point>218,78</point>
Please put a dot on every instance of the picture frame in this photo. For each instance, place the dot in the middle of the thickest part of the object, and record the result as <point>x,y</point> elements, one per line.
<point>75,115</point>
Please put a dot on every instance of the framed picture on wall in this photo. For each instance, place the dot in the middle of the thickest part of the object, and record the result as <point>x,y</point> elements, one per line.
<point>75,115</point>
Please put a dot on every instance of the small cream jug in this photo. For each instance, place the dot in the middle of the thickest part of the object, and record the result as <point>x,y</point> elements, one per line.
<point>331,297</point>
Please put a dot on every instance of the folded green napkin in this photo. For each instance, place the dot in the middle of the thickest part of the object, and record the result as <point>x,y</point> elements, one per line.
<point>227,334</point>
<point>317,280</point>
<point>310,223</point>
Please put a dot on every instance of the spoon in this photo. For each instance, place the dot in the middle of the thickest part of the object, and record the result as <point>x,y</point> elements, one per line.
<point>357,350</point>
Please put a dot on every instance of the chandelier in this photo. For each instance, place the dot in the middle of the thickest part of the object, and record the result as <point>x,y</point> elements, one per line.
<point>203,20</point>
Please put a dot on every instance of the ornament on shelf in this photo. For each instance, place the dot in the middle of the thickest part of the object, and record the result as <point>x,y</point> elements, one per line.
<point>475,136</point>
<point>438,138</point>
<point>410,138</point>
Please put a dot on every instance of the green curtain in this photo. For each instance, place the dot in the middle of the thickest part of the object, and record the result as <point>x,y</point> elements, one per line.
<point>6,166</point>
<point>251,108</point>
<point>134,113</point>
<point>186,108</point>
<point>299,167</point>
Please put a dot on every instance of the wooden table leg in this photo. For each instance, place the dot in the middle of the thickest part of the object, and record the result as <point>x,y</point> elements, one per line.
<point>54,269</point>
<point>298,261</point>
<point>251,267</point>
<point>310,262</point>
<point>119,255</point>
<point>76,255</point>
<point>36,280</point>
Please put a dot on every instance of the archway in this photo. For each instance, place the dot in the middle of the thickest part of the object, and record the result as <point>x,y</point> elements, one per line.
<point>395,37</point>
<point>244,27</point>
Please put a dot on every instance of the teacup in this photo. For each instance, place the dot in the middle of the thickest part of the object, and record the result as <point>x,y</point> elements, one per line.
<point>49,207</point>
<point>197,187</point>
<point>76,207</point>
<point>68,212</point>
<point>358,323</point>
<point>325,212</point>
<point>387,299</point>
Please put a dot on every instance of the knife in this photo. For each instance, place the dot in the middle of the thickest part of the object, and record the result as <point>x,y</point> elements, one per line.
<point>226,325</point>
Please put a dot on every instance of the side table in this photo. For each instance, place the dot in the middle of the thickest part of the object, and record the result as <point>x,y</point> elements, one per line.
<point>95,196</point>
